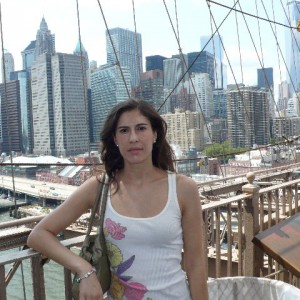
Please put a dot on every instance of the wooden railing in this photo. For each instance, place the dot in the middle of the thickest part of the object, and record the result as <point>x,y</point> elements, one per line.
<point>37,267</point>
<point>230,225</point>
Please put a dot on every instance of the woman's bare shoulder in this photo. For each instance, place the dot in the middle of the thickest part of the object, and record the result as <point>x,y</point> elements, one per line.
<point>185,183</point>
<point>88,190</point>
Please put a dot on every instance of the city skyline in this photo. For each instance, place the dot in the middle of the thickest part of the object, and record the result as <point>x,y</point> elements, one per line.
<point>153,24</point>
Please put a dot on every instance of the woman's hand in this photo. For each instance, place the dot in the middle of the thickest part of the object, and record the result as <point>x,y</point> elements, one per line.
<point>90,289</point>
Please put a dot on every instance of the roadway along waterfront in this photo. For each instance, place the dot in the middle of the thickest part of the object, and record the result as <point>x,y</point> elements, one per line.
<point>38,189</point>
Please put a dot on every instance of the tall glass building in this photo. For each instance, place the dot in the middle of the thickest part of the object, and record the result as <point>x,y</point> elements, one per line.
<point>21,76</point>
<point>45,41</point>
<point>214,46</point>
<point>202,62</point>
<point>58,108</point>
<point>292,44</point>
<point>8,66</point>
<point>127,45</point>
<point>265,78</point>
<point>155,62</point>
<point>108,89</point>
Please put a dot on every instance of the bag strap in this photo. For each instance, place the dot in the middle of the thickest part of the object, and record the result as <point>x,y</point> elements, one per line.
<point>103,202</point>
<point>97,202</point>
<point>104,197</point>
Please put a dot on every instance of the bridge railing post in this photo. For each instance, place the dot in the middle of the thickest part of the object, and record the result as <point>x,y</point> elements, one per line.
<point>252,255</point>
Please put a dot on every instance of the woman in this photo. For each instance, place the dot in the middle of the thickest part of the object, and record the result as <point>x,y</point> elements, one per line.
<point>151,215</point>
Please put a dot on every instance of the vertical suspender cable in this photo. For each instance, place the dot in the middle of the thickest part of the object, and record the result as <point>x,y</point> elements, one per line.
<point>9,136</point>
<point>137,58</point>
<point>7,116</point>
<point>84,79</point>
<point>114,49</point>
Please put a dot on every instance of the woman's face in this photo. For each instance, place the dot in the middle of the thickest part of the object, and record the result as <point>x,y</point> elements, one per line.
<point>134,137</point>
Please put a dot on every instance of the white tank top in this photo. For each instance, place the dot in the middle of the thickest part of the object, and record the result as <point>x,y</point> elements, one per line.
<point>145,253</point>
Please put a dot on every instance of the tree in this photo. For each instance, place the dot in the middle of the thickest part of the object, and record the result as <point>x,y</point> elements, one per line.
<point>223,151</point>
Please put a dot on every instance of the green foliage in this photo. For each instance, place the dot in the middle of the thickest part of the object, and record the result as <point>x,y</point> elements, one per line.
<point>46,210</point>
<point>275,140</point>
<point>223,151</point>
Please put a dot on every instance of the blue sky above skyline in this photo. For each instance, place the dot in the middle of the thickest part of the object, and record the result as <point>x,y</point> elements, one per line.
<point>21,20</point>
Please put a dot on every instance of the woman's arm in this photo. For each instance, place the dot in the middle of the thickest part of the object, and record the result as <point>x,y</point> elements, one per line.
<point>43,236</point>
<point>192,224</point>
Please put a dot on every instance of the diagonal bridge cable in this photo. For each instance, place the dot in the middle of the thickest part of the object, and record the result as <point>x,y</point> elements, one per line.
<point>251,15</point>
<point>231,68</point>
<point>196,58</point>
<point>188,68</point>
<point>114,49</point>
<point>84,79</point>
<point>8,119</point>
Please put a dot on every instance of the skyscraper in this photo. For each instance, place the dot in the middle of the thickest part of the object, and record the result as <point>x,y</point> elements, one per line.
<point>220,104</point>
<point>58,109</point>
<point>8,66</point>
<point>45,41</point>
<point>204,91</point>
<point>185,128</point>
<point>152,87</point>
<point>25,110</point>
<point>283,97</point>
<point>28,56</point>
<point>248,117</point>
<point>128,47</point>
<point>172,72</point>
<point>202,63</point>
<point>10,126</point>
<point>155,62</point>
<point>81,52</point>
<point>214,46</point>
<point>265,78</point>
<point>85,76</point>
<point>108,89</point>
<point>292,46</point>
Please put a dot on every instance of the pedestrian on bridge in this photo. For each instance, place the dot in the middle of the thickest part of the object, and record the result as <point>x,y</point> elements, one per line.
<point>153,219</point>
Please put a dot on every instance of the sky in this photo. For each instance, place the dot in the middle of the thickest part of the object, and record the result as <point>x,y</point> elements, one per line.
<point>21,20</point>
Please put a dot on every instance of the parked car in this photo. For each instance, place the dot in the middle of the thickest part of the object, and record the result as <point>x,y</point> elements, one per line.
<point>52,188</point>
<point>32,185</point>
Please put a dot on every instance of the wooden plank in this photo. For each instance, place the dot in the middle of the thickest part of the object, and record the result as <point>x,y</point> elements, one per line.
<point>38,282</point>
<point>2,283</point>
<point>29,253</point>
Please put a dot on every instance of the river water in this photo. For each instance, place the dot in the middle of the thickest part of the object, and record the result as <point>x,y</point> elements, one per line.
<point>20,287</point>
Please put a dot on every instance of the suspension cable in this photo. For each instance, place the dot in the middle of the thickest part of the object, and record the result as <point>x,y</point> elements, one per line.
<point>251,15</point>
<point>238,88</point>
<point>114,49</point>
<point>259,34</point>
<point>278,55</point>
<point>196,58</point>
<point>217,79</point>
<point>137,58</point>
<point>188,68</point>
<point>8,119</point>
<point>293,50</point>
<point>239,44</point>
<point>279,48</point>
<point>83,74</point>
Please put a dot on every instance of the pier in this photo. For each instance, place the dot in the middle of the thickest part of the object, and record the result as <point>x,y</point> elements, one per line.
<point>6,205</point>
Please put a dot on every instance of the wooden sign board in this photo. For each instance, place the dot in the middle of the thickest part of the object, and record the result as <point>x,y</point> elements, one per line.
<point>282,243</point>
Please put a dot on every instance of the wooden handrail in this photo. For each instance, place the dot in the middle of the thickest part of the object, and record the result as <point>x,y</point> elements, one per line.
<point>22,221</point>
